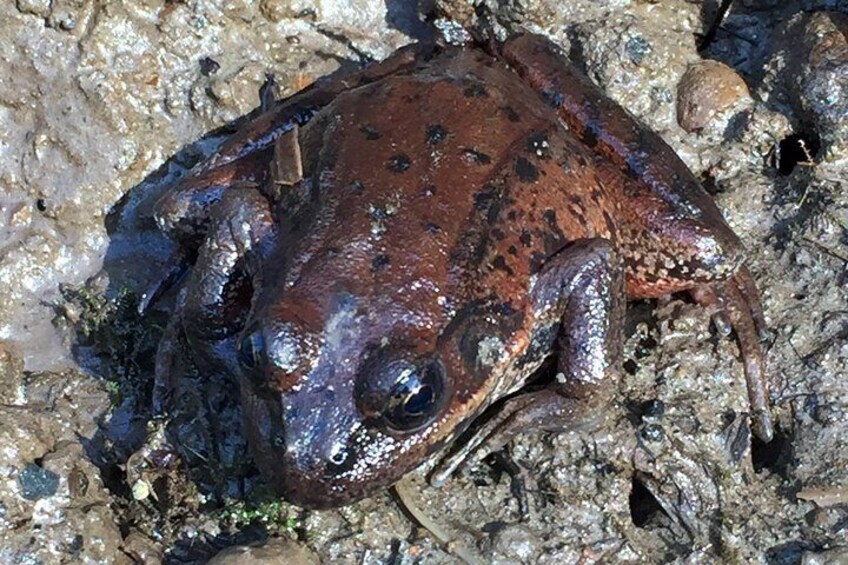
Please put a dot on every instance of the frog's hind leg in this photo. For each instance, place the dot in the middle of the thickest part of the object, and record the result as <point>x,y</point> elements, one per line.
<point>666,201</point>
<point>580,292</point>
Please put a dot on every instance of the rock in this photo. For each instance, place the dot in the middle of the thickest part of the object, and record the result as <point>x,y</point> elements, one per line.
<point>37,482</point>
<point>277,550</point>
<point>142,549</point>
<point>707,92</point>
<point>828,556</point>
<point>278,10</point>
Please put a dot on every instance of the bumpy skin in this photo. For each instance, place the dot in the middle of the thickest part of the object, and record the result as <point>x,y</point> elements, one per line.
<point>448,234</point>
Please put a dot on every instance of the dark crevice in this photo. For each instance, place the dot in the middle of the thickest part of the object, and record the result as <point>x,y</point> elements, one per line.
<point>709,183</point>
<point>775,456</point>
<point>645,509</point>
<point>793,150</point>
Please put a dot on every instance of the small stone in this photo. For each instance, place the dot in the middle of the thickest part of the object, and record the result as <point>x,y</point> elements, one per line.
<point>37,482</point>
<point>39,8</point>
<point>276,550</point>
<point>652,432</point>
<point>140,490</point>
<point>707,90</point>
<point>653,408</point>
<point>278,10</point>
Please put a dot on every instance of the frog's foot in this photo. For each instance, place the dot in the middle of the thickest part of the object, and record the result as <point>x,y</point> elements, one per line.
<point>581,289</point>
<point>735,305</point>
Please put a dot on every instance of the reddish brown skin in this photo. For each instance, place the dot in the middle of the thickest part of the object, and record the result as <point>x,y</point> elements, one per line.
<point>448,229</point>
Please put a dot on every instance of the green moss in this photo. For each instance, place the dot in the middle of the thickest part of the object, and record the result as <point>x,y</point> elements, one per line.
<point>264,508</point>
<point>109,325</point>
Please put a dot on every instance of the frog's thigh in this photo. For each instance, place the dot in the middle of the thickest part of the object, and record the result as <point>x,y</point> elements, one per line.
<point>241,233</point>
<point>581,289</point>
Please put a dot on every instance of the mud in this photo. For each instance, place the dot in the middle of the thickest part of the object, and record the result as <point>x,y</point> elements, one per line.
<point>102,104</point>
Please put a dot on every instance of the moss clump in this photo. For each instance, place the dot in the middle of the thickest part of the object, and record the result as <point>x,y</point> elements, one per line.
<point>110,329</point>
<point>264,508</point>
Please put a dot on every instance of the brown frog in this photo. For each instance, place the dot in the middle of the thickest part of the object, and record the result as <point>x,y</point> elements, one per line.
<point>381,257</point>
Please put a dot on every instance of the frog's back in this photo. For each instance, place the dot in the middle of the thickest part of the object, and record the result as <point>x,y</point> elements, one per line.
<point>450,183</point>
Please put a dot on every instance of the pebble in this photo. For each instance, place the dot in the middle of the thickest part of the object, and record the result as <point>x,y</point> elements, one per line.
<point>706,92</point>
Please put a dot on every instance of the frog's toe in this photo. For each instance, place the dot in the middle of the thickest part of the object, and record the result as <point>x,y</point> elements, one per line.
<point>744,320</point>
<point>748,289</point>
<point>735,304</point>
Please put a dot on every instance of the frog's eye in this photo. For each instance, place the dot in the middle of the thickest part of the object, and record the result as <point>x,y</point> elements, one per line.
<point>416,397</point>
<point>251,349</point>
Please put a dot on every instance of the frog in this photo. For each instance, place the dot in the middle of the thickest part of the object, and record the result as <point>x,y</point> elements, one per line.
<point>385,256</point>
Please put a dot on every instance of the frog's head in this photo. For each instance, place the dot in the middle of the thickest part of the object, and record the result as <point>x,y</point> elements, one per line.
<point>346,393</point>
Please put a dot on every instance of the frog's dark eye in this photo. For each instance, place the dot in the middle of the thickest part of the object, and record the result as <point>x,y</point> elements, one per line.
<point>416,397</point>
<point>251,349</point>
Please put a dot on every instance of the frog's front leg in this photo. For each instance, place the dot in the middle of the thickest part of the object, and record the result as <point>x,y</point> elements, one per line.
<point>217,296</point>
<point>580,295</point>
<point>228,269</point>
<point>184,211</point>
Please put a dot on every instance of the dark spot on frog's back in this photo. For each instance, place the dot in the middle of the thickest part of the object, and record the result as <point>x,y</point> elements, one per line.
<point>484,199</point>
<point>500,264</point>
<point>380,262</point>
<point>371,133</point>
<point>511,114</point>
<point>526,171</point>
<point>476,90</point>
<point>549,216</point>
<point>590,138</point>
<point>399,163</point>
<point>436,134</point>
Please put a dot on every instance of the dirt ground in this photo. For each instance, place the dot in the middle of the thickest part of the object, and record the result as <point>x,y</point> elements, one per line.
<point>103,103</point>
